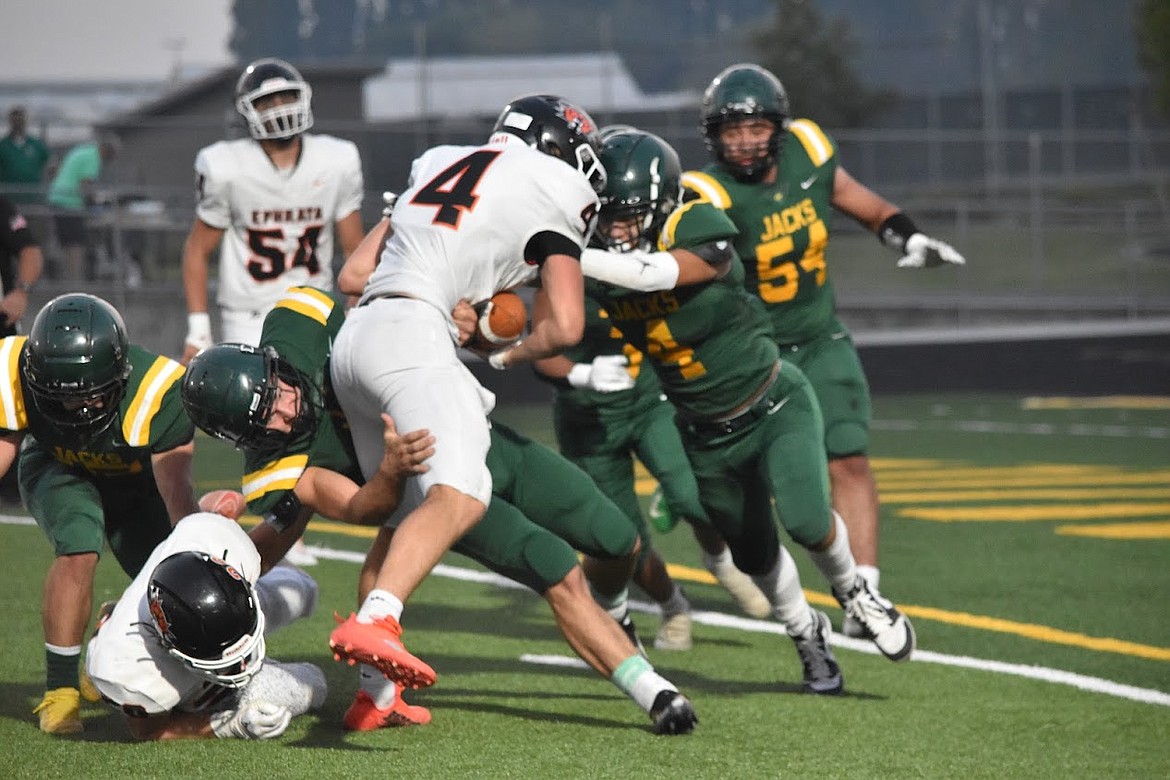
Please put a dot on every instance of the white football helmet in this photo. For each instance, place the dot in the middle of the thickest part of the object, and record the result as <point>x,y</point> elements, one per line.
<point>271,76</point>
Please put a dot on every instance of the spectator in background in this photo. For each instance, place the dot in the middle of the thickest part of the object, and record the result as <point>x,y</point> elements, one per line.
<point>22,160</point>
<point>20,266</point>
<point>69,195</point>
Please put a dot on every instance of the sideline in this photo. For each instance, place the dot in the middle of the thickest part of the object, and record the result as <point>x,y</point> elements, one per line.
<point>723,620</point>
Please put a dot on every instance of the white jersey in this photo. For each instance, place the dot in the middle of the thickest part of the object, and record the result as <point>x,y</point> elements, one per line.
<point>462,225</point>
<point>279,225</point>
<point>126,659</point>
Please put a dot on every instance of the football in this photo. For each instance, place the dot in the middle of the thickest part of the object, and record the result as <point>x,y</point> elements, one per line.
<point>501,321</point>
<point>228,503</point>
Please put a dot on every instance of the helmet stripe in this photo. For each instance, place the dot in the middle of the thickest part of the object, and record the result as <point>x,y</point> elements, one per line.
<point>160,377</point>
<point>12,409</point>
<point>813,139</point>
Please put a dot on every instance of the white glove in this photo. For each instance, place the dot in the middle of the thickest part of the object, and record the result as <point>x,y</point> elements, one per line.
<point>389,199</point>
<point>606,374</point>
<point>926,252</point>
<point>198,330</point>
<point>259,720</point>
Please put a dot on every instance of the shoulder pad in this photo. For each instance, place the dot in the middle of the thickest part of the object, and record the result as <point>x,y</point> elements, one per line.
<point>146,399</point>
<point>816,144</point>
<point>707,188</point>
<point>308,301</point>
<point>13,414</point>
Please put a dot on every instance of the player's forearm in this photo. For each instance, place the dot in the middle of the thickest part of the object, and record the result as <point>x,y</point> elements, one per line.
<point>173,725</point>
<point>195,273</point>
<point>172,474</point>
<point>361,262</point>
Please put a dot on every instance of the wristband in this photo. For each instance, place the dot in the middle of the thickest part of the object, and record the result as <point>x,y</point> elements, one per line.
<point>896,231</point>
<point>496,359</point>
<point>199,329</point>
<point>579,374</point>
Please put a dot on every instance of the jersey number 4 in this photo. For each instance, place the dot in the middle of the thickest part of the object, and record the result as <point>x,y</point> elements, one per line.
<point>269,260</point>
<point>452,191</point>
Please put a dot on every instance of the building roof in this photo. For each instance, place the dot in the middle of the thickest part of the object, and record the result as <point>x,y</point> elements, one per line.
<point>462,86</point>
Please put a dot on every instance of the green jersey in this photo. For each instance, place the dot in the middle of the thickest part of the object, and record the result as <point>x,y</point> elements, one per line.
<point>707,342</point>
<point>301,328</point>
<point>150,419</point>
<point>784,230</point>
<point>601,337</point>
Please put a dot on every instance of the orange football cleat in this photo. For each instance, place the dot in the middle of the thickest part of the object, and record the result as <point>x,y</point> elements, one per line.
<point>379,644</point>
<point>364,715</point>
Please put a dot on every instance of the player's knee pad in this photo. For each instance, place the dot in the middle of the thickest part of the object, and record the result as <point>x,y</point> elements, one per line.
<point>846,438</point>
<point>286,594</point>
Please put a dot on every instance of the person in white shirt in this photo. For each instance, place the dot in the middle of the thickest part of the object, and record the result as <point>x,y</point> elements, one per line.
<point>273,200</point>
<point>183,652</point>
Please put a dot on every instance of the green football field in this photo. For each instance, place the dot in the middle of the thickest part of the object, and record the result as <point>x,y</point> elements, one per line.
<point>1028,539</point>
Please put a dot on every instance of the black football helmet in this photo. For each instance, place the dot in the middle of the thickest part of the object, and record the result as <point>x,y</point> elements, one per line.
<point>207,617</point>
<point>645,184</point>
<point>229,391</point>
<point>270,76</point>
<point>558,128</point>
<point>742,92</point>
<point>76,364</point>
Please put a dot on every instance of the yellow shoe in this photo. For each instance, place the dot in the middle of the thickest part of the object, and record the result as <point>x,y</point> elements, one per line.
<point>60,711</point>
<point>89,691</point>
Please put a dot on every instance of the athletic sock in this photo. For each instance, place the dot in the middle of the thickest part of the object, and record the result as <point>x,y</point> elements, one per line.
<point>61,667</point>
<point>381,690</point>
<point>870,574</point>
<point>782,587</point>
<point>836,562</point>
<point>638,680</point>
<point>676,603</point>
<point>379,604</point>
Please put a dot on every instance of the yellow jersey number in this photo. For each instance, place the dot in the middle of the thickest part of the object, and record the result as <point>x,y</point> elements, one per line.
<point>779,283</point>
<point>661,345</point>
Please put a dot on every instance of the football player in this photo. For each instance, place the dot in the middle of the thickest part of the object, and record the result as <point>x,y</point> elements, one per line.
<point>473,220</point>
<point>608,409</point>
<point>277,404</point>
<point>779,179</point>
<point>278,196</point>
<point>182,654</point>
<point>105,454</point>
<point>749,421</point>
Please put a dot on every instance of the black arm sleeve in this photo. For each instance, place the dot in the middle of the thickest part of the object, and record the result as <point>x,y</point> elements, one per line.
<point>547,243</point>
<point>714,252</point>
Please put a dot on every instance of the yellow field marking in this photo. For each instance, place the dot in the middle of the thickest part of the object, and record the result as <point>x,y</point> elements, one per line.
<point>1156,530</point>
<point>1020,512</point>
<point>1028,494</point>
<point>940,480</point>
<point>957,470</point>
<point>897,464</point>
<point>1102,402</point>
<point>1040,633</point>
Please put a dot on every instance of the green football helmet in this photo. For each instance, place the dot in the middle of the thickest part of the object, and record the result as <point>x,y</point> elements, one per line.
<point>644,184</point>
<point>229,391</point>
<point>76,364</point>
<point>741,92</point>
